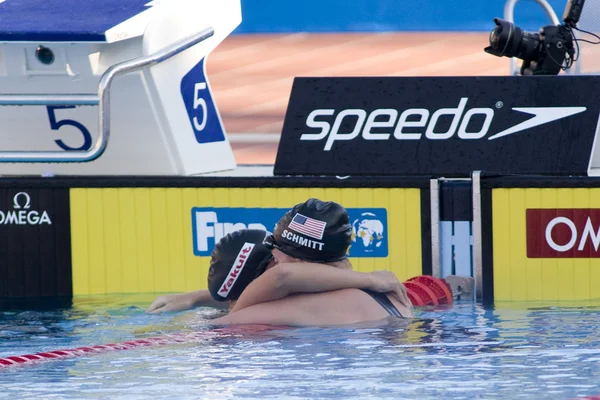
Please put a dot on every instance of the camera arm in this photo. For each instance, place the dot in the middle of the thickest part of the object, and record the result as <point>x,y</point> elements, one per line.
<point>572,12</point>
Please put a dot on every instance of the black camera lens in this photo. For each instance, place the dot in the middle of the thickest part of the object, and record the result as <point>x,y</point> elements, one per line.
<point>508,40</point>
<point>552,48</point>
<point>44,55</point>
<point>502,39</point>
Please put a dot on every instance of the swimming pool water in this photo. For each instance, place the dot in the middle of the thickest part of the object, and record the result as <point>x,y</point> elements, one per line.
<point>464,352</point>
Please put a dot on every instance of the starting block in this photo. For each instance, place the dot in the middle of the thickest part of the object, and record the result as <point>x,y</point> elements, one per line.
<point>115,87</point>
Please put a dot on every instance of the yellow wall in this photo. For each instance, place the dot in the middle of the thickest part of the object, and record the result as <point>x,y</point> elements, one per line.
<point>518,278</point>
<point>139,240</point>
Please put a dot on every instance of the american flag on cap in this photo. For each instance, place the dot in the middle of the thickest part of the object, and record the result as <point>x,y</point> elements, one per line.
<point>308,226</point>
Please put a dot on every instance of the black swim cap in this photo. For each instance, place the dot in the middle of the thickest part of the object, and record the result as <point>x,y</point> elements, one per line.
<point>238,259</point>
<point>315,231</point>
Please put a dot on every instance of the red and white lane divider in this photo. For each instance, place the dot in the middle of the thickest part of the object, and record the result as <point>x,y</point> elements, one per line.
<point>88,350</point>
<point>422,290</point>
<point>133,344</point>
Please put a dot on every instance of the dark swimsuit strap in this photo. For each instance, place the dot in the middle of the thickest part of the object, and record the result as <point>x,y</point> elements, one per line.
<point>384,302</point>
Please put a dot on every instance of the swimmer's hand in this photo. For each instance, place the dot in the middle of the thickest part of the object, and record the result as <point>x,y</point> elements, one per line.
<point>183,302</point>
<point>387,282</point>
<point>170,303</point>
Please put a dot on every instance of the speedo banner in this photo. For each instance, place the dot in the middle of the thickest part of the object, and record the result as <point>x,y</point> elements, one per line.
<point>446,126</point>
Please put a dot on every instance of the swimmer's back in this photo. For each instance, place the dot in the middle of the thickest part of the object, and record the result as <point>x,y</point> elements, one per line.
<point>339,307</point>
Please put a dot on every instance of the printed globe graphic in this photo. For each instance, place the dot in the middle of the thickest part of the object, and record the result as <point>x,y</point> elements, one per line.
<point>367,232</point>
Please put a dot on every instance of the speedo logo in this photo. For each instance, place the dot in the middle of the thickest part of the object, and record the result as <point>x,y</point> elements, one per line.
<point>411,119</point>
<point>236,269</point>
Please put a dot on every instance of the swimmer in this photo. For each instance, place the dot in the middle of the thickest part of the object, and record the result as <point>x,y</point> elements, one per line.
<point>292,276</point>
<point>223,257</point>
<point>240,257</point>
<point>307,242</point>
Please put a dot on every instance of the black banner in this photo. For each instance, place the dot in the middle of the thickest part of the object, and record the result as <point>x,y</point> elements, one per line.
<point>35,242</point>
<point>442,126</point>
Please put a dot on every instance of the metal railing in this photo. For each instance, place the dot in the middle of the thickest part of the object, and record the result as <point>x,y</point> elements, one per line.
<point>102,100</point>
<point>434,195</point>
<point>477,239</point>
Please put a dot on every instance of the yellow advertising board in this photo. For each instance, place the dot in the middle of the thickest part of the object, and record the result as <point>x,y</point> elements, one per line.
<point>546,243</point>
<point>154,240</point>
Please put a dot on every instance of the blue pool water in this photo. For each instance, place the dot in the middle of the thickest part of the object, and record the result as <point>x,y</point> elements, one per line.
<point>463,352</point>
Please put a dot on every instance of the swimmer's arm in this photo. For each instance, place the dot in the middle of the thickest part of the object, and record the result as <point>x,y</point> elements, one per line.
<point>286,279</point>
<point>184,301</point>
<point>296,310</point>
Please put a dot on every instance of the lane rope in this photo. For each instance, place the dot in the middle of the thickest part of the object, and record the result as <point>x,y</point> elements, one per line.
<point>132,344</point>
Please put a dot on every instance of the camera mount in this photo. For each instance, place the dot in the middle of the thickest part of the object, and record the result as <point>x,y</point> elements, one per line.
<point>546,52</point>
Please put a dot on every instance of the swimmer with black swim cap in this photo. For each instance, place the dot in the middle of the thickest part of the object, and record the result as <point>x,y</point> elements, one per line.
<point>237,259</point>
<point>307,241</point>
<point>314,231</point>
<point>240,257</point>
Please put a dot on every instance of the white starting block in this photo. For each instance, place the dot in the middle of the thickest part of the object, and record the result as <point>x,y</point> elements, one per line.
<point>113,87</point>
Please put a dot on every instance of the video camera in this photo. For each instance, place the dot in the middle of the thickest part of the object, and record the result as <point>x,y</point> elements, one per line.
<point>552,49</point>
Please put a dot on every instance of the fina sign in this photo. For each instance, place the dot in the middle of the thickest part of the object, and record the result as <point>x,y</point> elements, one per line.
<point>22,214</point>
<point>209,225</point>
<point>448,126</point>
<point>563,233</point>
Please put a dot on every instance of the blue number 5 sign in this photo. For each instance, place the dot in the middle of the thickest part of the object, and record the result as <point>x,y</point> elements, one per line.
<point>200,106</point>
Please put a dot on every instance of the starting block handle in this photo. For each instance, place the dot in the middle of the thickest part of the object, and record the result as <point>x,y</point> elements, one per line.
<point>49,100</point>
<point>102,100</point>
